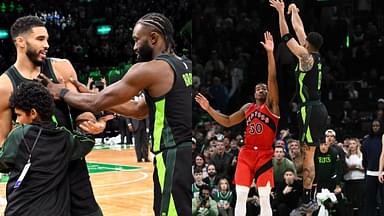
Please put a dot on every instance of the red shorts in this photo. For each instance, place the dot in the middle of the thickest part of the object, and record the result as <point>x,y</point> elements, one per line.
<point>253,163</point>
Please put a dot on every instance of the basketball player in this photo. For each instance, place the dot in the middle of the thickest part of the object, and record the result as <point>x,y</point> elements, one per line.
<point>312,115</point>
<point>255,157</point>
<point>167,83</point>
<point>31,41</point>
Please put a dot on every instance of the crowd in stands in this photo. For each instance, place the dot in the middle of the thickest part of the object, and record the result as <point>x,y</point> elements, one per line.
<point>228,63</point>
<point>72,27</point>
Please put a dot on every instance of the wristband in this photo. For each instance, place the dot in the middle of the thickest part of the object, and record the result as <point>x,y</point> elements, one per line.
<point>63,92</point>
<point>286,37</point>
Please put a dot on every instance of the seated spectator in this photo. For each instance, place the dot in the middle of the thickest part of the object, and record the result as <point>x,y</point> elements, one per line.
<point>199,162</point>
<point>287,194</point>
<point>204,205</point>
<point>280,165</point>
<point>224,198</point>
<point>253,201</point>
<point>198,181</point>
<point>211,180</point>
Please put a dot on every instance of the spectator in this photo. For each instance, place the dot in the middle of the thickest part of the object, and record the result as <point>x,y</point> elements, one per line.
<point>280,165</point>
<point>224,198</point>
<point>354,177</point>
<point>211,180</point>
<point>198,181</point>
<point>288,193</point>
<point>372,147</point>
<point>199,162</point>
<point>204,205</point>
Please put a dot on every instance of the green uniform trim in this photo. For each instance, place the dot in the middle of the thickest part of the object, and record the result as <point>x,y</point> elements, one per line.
<point>165,175</point>
<point>159,124</point>
<point>301,79</point>
<point>305,118</point>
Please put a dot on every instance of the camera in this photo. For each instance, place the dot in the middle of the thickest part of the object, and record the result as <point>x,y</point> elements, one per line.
<point>203,200</point>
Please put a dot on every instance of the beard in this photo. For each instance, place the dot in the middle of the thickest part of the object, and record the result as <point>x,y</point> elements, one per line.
<point>33,56</point>
<point>145,53</point>
<point>211,174</point>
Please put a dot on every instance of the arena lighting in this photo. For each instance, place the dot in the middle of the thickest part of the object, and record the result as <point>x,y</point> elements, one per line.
<point>4,34</point>
<point>103,29</point>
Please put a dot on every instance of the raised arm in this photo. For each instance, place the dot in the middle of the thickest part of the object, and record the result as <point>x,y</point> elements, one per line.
<point>273,90</point>
<point>292,44</point>
<point>297,24</point>
<point>225,120</point>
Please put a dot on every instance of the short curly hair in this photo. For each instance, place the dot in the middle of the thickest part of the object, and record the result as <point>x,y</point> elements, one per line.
<point>30,95</point>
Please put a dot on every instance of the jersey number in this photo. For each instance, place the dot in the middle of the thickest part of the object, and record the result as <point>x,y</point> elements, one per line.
<point>255,128</point>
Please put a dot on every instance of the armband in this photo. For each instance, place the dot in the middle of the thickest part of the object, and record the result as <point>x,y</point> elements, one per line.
<point>63,92</point>
<point>286,37</point>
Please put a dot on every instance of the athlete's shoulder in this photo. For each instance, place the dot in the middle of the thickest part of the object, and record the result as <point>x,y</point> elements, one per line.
<point>5,85</point>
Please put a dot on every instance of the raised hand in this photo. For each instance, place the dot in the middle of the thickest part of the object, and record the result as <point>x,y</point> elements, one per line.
<point>268,41</point>
<point>204,103</point>
<point>278,4</point>
<point>292,8</point>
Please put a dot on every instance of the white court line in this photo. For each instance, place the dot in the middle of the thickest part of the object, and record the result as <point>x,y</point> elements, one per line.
<point>124,194</point>
<point>145,175</point>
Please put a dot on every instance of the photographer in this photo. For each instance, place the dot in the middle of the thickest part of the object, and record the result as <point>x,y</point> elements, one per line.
<point>204,205</point>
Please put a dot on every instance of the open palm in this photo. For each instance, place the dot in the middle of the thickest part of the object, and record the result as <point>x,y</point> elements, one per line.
<point>268,41</point>
<point>204,103</point>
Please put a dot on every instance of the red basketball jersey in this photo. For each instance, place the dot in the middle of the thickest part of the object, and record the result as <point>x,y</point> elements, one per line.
<point>261,127</point>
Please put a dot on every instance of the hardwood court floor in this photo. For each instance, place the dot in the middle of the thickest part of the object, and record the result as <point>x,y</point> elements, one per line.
<point>119,192</point>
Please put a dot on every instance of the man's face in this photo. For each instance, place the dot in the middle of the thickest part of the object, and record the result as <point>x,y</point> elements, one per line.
<point>375,126</point>
<point>211,171</point>
<point>279,153</point>
<point>324,147</point>
<point>289,177</point>
<point>23,117</point>
<point>198,176</point>
<point>142,47</point>
<point>330,138</point>
<point>205,193</point>
<point>36,45</point>
<point>261,92</point>
<point>220,146</point>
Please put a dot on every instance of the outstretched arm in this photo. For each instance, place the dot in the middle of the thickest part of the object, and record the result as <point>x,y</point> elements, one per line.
<point>292,44</point>
<point>297,23</point>
<point>273,90</point>
<point>139,77</point>
<point>225,120</point>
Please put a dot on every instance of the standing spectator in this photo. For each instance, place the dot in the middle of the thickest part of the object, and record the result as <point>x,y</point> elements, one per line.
<point>294,153</point>
<point>372,147</point>
<point>354,178</point>
<point>222,160</point>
